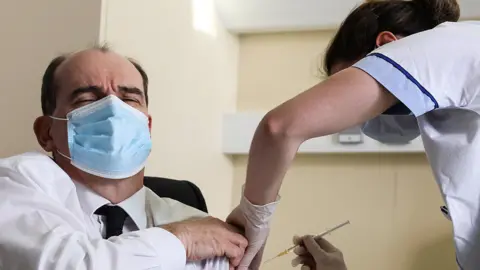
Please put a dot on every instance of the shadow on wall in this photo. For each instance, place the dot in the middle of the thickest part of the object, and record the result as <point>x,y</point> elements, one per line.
<point>438,255</point>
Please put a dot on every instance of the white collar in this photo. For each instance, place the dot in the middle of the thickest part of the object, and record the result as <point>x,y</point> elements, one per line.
<point>134,205</point>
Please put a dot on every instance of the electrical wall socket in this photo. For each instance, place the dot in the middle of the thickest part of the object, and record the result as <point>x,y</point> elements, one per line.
<point>351,136</point>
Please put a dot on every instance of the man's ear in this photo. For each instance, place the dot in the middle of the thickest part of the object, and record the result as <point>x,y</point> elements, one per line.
<point>150,124</point>
<point>384,38</point>
<point>41,127</point>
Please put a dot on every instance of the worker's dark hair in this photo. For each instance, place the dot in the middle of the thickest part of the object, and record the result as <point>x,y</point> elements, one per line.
<point>357,34</point>
<point>49,97</point>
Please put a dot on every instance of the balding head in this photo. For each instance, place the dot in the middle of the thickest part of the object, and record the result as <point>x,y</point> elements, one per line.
<point>88,65</point>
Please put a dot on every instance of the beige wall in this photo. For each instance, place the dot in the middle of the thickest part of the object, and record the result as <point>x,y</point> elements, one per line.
<point>192,64</point>
<point>32,33</point>
<point>391,200</point>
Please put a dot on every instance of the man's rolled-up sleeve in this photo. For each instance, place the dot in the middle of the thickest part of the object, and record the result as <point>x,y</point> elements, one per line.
<point>219,263</point>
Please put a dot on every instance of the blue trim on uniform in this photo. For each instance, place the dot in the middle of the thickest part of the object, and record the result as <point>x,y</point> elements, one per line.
<point>408,75</point>
<point>398,82</point>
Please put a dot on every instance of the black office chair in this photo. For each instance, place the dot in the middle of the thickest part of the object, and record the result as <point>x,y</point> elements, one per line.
<point>183,191</point>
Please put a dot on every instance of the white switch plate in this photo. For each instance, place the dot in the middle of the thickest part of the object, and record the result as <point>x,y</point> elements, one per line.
<point>350,138</point>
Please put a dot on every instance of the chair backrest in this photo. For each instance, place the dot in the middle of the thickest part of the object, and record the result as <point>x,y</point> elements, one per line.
<point>183,191</point>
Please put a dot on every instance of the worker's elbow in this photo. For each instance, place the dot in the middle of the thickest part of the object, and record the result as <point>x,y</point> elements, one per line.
<point>277,127</point>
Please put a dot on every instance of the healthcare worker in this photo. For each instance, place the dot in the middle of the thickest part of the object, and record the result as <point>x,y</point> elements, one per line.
<point>390,60</point>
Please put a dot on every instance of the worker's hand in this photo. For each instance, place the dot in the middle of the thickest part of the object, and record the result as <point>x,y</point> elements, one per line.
<point>255,221</point>
<point>317,254</point>
<point>208,237</point>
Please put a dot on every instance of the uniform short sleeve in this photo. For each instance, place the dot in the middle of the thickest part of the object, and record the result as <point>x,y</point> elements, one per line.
<point>439,68</point>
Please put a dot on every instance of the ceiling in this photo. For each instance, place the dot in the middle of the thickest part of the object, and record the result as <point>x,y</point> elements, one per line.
<point>254,16</point>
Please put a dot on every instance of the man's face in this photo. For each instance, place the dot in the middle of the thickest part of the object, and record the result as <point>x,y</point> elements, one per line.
<point>86,77</point>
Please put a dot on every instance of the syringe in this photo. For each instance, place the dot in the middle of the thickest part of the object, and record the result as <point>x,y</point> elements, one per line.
<point>287,251</point>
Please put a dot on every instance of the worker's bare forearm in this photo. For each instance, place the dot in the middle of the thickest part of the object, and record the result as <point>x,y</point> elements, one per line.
<point>271,153</point>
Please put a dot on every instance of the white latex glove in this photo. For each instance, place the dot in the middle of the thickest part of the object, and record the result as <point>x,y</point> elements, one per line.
<point>317,254</point>
<point>255,220</point>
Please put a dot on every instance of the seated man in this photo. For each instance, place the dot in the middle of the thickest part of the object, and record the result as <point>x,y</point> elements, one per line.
<point>87,207</point>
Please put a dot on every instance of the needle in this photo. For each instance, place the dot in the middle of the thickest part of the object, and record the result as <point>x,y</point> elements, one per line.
<point>287,251</point>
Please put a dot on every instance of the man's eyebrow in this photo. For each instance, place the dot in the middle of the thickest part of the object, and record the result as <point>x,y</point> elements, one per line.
<point>96,90</point>
<point>131,90</point>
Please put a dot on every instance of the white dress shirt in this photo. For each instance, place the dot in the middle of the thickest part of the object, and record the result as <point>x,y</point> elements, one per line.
<point>48,223</point>
<point>134,206</point>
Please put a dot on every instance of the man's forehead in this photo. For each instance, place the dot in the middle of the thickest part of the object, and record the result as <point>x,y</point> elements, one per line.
<point>99,68</point>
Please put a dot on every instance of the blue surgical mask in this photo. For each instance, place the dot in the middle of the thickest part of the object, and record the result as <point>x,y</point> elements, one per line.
<point>108,138</point>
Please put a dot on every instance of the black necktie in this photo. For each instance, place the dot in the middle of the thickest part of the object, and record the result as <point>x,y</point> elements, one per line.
<point>115,218</point>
